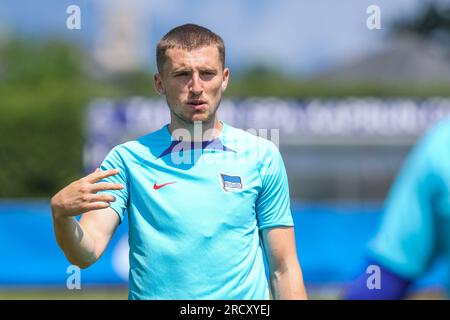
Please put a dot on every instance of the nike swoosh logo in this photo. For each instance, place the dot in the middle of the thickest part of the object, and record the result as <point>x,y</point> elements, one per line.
<point>156,187</point>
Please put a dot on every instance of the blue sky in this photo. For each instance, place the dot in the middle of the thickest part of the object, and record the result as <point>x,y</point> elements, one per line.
<point>295,36</point>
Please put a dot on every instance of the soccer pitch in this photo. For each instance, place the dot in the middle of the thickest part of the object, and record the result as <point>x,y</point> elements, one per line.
<point>121,293</point>
<point>89,293</point>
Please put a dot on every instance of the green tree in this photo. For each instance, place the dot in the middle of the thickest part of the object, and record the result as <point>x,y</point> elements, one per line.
<point>431,21</point>
<point>42,96</point>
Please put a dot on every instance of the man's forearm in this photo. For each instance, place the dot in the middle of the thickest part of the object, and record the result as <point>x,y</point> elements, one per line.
<point>76,244</point>
<point>288,285</point>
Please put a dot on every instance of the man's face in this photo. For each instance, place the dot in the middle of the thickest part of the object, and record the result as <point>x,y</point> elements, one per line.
<point>193,83</point>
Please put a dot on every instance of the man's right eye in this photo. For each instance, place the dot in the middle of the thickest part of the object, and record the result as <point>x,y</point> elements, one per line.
<point>181,74</point>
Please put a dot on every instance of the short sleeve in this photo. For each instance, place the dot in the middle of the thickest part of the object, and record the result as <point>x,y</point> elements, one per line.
<point>405,242</point>
<point>273,203</point>
<point>114,160</point>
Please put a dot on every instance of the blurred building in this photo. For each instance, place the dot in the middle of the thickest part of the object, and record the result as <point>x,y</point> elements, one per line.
<point>120,44</point>
<point>408,59</point>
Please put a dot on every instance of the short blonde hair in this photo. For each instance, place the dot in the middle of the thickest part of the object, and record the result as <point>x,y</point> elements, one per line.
<point>188,37</point>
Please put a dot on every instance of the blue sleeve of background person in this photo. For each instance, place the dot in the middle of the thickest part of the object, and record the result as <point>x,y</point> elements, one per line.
<point>114,160</point>
<point>405,242</point>
<point>392,286</point>
<point>273,204</point>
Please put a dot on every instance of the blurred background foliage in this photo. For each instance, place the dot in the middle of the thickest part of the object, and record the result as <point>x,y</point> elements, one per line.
<point>46,86</point>
<point>42,91</point>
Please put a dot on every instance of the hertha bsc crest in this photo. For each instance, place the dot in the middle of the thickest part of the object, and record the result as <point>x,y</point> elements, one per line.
<point>230,183</point>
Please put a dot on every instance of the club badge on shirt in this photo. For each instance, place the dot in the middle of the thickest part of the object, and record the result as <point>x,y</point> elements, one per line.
<point>231,183</point>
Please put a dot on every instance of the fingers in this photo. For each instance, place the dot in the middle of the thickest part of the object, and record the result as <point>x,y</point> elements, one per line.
<point>98,175</point>
<point>106,186</point>
<point>98,198</point>
<point>92,201</point>
<point>95,206</point>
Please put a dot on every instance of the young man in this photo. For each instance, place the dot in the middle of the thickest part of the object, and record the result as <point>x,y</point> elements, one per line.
<point>200,195</point>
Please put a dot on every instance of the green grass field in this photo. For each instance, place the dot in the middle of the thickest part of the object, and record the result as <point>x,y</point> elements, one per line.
<point>90,293</point>
<point>121,293</point>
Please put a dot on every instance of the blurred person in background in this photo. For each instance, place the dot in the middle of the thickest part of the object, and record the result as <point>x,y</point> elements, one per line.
<point>415,226</point>
<point>194,229</point>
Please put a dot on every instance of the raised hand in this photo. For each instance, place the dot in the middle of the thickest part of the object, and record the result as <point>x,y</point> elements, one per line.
<point>81,196</point>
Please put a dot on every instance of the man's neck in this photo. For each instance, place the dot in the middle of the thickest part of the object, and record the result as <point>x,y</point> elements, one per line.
<point>197,131</point>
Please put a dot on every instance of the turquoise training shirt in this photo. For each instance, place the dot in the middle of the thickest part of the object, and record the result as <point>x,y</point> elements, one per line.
<point>195,211</point>
<point>415,227</point>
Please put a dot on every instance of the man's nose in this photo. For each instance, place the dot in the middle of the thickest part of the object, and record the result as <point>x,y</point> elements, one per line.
<point>196,85</point>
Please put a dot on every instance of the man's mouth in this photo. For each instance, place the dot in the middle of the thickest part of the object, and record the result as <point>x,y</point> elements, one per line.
<point>197,104</point>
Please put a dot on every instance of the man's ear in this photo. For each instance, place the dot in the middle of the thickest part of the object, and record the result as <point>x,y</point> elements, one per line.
<point>159,86</point>
<point>226,76</point>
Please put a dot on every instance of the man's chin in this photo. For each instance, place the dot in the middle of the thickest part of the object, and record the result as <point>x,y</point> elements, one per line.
<point>195,117</point>
<point>200,117</point>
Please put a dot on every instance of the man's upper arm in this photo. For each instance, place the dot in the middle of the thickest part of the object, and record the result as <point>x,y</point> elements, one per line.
<point>114,160</point>
<point>273,203</point>
<point>279,246</point>
<point>285,273</point>
<point>100,225</point>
